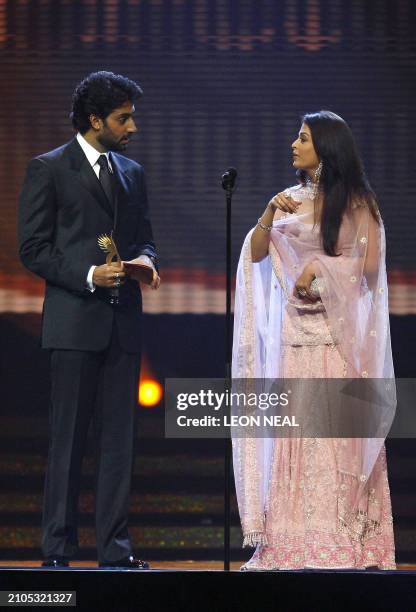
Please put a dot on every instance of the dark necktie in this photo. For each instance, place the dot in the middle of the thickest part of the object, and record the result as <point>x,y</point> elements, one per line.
<point>106,179</point>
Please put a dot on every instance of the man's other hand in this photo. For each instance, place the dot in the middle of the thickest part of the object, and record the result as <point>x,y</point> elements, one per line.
<point>109,276</point>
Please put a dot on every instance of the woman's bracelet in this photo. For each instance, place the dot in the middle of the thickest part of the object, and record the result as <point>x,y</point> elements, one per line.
<point>265,228</point>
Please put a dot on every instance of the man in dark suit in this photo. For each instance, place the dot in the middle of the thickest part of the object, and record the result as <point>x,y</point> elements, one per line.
<point>92,311</point>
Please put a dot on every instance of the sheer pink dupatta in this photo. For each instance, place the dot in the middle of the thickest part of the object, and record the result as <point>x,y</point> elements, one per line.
<point>256,355</point>
<point>354,294</point>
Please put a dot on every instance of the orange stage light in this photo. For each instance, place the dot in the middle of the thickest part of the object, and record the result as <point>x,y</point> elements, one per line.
<point>150,392</point>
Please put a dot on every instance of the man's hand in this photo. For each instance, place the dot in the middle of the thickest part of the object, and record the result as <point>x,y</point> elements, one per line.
<point>155,284</point>
<point>144,259</point>
<point>302,288</point>
<point>111,276</point>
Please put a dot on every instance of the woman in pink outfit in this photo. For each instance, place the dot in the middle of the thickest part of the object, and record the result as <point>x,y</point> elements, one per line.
<point>311,302</point>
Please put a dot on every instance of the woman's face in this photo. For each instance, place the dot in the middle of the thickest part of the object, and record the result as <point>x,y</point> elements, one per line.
<point>304,154</point>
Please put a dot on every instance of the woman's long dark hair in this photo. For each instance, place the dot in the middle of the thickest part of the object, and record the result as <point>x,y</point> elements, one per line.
<point>342,179</point>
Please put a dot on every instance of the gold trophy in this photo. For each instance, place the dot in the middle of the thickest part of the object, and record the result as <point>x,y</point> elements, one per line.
<point>108,245</point>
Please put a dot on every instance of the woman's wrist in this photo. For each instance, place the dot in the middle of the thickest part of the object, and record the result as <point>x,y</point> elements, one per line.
<point>268,215</point>
<point>265,222</point>
<point>263,226</point>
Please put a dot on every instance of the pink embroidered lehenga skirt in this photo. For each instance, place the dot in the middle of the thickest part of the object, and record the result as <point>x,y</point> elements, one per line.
<point>302,524</point>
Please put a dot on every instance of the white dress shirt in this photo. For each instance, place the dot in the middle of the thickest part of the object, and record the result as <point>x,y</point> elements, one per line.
<point>93,155</point>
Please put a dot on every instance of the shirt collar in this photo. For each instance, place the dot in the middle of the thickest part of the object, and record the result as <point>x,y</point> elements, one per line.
<point>91,153</point>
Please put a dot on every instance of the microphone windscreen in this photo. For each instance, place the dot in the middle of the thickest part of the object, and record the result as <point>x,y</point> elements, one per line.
<point>228,178</point>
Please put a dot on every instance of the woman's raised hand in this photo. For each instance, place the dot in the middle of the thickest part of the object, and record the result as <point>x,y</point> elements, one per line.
<point>284,202</point>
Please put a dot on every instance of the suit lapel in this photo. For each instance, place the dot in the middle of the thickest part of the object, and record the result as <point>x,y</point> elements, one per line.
<point>87,176</point>
<point>122,187</point>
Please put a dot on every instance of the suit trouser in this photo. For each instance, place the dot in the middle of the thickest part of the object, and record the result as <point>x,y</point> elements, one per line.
<point>102,387</point>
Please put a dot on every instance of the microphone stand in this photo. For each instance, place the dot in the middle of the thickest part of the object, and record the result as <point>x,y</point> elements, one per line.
<point>228,186</point>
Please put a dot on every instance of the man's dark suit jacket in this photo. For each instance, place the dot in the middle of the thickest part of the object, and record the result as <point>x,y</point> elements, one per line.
<point>62,211</point>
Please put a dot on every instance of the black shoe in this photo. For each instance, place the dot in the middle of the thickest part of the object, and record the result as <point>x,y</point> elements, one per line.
<point>128,563</point>
<point>55,562</point>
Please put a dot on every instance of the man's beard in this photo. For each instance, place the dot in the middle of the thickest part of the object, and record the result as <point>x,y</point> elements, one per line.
<point>109,143</point>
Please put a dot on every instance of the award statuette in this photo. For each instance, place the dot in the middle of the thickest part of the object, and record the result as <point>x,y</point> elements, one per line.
<point>107,244</point>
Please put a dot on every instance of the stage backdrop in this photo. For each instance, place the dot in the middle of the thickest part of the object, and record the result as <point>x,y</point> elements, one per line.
<point>225,83</point>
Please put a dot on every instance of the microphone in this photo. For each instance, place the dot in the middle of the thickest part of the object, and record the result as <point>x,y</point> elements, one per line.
<point>228,178</point>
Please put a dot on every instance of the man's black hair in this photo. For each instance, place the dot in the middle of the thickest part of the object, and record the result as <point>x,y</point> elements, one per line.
<point>99,94</point>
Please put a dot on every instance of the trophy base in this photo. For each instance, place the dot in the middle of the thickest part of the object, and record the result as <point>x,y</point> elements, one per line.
<point>114,297</point>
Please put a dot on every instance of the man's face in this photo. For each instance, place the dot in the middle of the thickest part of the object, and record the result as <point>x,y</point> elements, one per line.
<point>117,128</point>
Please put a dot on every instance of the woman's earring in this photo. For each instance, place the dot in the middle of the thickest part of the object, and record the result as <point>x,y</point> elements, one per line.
<point>318,173</point>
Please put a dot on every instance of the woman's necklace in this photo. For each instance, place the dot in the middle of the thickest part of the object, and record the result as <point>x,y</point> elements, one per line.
<point>312,188</point>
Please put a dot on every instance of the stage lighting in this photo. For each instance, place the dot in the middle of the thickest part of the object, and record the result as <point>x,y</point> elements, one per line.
<point>150,393</point>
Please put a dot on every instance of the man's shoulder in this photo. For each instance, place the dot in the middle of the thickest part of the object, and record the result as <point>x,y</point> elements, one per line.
<point>127,164</point>
<point>55,155</point>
